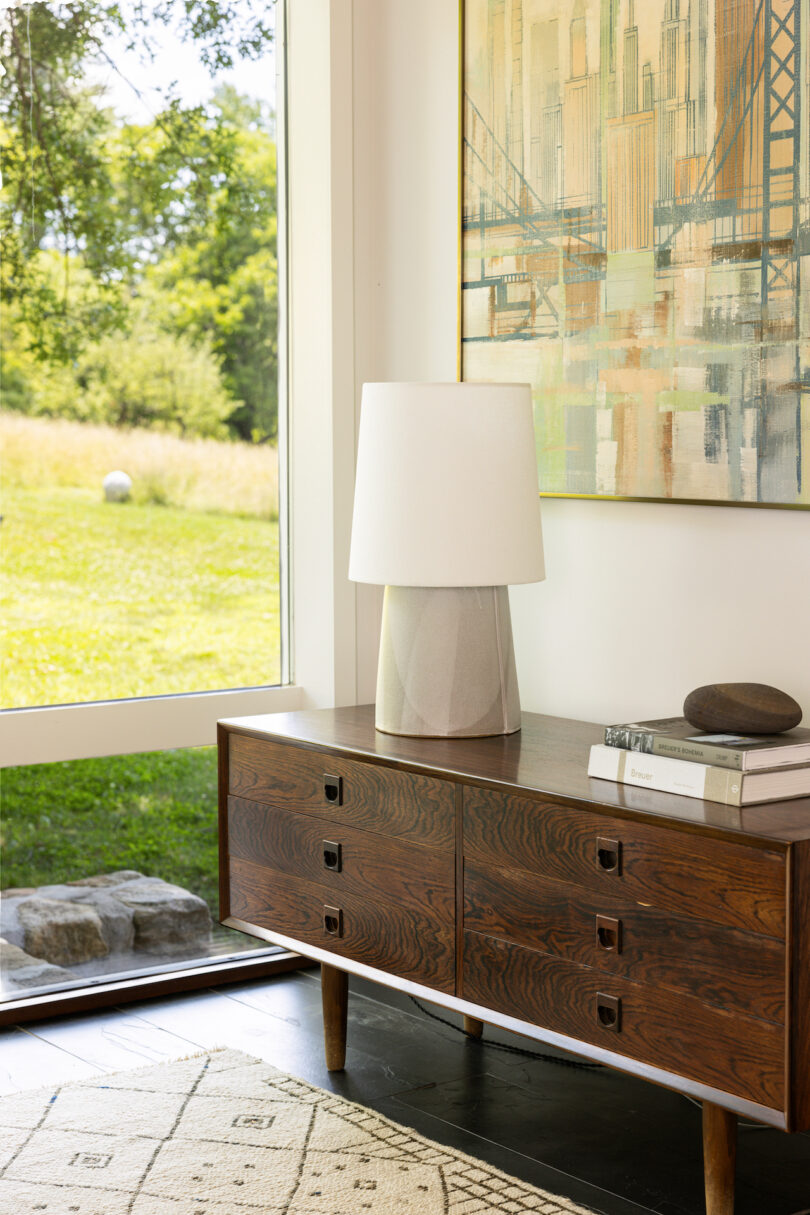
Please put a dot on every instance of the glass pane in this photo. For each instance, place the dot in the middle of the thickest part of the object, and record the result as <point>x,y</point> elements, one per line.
<point>110,869</point>
<point>139,350</point>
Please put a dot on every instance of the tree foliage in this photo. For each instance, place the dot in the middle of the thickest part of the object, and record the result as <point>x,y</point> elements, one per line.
<point>153,378</point>
<point>111,225</point>
<point>147,376</point>
<point>221,278</point>
<point>55,177</point>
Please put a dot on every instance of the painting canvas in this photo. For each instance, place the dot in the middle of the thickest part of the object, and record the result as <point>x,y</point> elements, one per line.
<point>635,240</point>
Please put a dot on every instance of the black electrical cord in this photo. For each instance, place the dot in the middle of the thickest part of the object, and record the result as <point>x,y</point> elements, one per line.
<point>510,1050</point>
<point>574,1063</point>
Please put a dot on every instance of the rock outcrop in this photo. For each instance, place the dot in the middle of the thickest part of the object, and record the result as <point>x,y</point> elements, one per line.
<point>121,915</point>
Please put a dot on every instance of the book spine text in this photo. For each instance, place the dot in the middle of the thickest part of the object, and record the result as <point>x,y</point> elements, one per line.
<point>677,748</point>
<point>665,774</point>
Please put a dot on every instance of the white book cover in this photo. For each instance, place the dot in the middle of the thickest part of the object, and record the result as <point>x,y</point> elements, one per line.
<point>668,775</point>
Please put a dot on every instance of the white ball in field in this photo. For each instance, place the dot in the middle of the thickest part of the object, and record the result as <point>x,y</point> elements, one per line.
<point>117,486</point>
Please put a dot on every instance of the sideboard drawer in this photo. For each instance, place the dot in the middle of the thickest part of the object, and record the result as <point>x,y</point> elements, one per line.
<point>738,1055</point>
<point>719,965</point>
<point>342,859</point>
<point>412,944</point>
<point>365,795</point>
<point>739,885</point>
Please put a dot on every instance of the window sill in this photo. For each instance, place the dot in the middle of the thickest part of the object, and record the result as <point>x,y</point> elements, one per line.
<point>55,733</point>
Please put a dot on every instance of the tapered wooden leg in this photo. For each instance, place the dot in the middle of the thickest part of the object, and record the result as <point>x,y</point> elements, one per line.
<point>473,1028</point>
<point>719,1158</point>
<point>335,999</point>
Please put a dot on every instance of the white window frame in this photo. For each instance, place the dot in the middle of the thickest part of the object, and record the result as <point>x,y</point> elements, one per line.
<point>318,434</point>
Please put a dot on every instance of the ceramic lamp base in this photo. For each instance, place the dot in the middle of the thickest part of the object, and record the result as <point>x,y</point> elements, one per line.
<point>447,663</point>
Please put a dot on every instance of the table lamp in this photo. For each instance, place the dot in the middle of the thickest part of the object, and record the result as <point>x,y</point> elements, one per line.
<point>446,515</point>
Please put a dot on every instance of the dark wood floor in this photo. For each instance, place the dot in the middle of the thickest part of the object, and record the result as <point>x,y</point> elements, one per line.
<point>610,1142</point>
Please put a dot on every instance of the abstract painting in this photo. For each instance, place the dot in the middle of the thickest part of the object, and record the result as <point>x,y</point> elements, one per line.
<point>636,240</point>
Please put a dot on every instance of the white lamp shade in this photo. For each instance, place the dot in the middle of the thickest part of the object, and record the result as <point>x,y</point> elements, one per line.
<point>446,488</point>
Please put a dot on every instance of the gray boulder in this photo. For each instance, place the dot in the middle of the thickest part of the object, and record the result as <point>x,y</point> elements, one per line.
<point>167,918</point>
<point>63,890</point>
<point>61,932</point>
<point>117,920</point>
<point>19,969</point>
<point>10,927</point>
<point>107,879</point>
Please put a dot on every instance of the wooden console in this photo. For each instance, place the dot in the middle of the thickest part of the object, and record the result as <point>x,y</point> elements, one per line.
<point>660,935</point>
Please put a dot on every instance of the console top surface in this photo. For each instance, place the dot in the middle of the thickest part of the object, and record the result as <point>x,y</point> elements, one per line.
<point>546,758</point>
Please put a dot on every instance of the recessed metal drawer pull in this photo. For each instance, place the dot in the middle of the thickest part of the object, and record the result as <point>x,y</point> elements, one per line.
<point>333,789</point>
<point>333,921</point>
<point>608,854</point>
<point>609,1012</point>
<point>609,934</point>
<point>332,856</point>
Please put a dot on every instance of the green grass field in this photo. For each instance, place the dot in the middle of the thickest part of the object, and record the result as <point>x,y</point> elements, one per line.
<point>175,591</point>
<point>156,813</point>
<point>166,470</point>
<point>105,600</point>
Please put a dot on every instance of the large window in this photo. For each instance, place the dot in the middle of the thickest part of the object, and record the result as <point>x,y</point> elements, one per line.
<point>142,550</point>
<point>140,349</point>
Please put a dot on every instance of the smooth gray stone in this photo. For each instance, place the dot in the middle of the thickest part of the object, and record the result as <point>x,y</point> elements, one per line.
<point>741,708</point>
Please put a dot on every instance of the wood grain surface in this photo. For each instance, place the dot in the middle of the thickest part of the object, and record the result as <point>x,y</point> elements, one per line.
<point>735,1054</point>
<point>719,1159</point>
<point>335,1008</point>
<point>720,966</point>
<point>700,967</point>
<point>724,882</point>
<point>223,750</point>
<point>374,798</point>
<point>547,757</point>
<point>799,1015</point>
<point>417,945</point>
<point>371,867</point>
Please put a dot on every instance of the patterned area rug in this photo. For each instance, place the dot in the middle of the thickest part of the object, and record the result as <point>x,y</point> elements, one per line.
<point>225,1134</point>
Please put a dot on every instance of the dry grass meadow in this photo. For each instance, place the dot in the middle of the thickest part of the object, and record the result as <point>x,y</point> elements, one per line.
<point>197,474</point>
<point>174,591</point>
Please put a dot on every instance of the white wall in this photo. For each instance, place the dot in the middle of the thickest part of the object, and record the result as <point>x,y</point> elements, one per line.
<point>642,602</point>
<point>405,228</point>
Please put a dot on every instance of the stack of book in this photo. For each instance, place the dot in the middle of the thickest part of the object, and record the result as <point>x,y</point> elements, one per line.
<point>736,769</point>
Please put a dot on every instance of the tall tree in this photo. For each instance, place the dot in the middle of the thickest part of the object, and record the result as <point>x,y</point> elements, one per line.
<point>184,203</point>
<point>220,278</point>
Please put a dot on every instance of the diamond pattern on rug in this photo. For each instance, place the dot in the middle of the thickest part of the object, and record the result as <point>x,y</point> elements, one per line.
<point>149,1114</point>
<point>225,1134</point>
<point>245,1120</point>
<point>81,1158</point>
